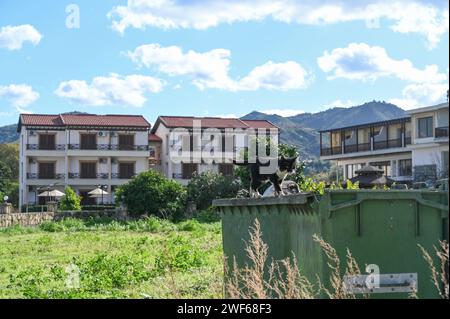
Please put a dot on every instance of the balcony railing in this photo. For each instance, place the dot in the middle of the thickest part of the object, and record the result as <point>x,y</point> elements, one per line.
<point>364,147</point>
<point>51,147</point>
<point>88,176</point>
<point>109,147</point>
<point>177,175</point>
<point>46,176</point>
<point>441,131</point>
<point>121,176</point>
<point>407,140</point>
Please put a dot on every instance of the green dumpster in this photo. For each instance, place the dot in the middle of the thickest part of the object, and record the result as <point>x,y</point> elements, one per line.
<point>381,228</point>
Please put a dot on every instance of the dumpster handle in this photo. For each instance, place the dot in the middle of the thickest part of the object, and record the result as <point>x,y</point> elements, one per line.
<point>443,208</point>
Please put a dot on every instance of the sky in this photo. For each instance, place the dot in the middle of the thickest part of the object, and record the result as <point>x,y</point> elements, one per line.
<point>219,57</point>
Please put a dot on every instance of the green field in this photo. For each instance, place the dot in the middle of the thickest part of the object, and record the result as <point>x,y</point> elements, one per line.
<point>149,258</point>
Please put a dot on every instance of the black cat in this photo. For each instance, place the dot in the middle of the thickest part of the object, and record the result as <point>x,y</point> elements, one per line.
<point>285,167</point>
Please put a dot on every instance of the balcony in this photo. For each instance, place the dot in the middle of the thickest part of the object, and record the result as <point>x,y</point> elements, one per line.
<point>46,147</point>
<point>45,176</point>
<point>440,132</point>
<point>327,151</point>
<point>88,176</point>
<point>109,147</point>
<point>364,147</point>
<point>177,176</point>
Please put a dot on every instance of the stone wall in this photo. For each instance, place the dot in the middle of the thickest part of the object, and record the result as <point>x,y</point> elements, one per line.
<point>85,215</point>
<point>30,219</point>
<point>34,219</point>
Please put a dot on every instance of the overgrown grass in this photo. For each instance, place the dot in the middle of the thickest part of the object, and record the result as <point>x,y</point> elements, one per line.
<point>148,258</point>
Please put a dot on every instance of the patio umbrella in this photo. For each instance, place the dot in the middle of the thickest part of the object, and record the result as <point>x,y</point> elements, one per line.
<point>370,176</point>
<point>53,193</point>
<point>98,193</point>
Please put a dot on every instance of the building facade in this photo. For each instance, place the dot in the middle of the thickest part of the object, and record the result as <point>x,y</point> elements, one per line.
<point>429,145</point>
<point>85,151</point>
<point>81,151</point>
<point>199,144</point>
<point>413,148</point>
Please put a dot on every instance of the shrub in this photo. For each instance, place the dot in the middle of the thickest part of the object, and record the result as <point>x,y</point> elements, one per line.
<point>71,201</point>
<point>203,188</point>
<point>178,254</point>
<point>209,215</point>
<point>51,227</point>
<point>152,193</point>
<point>190,225</point>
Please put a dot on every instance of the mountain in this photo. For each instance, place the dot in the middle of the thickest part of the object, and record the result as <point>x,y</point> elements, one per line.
<point>8,134</point>
<point>302,130</point>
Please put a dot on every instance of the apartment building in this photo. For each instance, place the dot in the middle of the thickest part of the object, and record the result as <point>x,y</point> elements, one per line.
<point>429,145</point>
<point>83,151</point>
<point>199,144</point>
<point>412,148</point>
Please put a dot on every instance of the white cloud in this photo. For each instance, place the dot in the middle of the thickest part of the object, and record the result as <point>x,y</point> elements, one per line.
<point>211,69</point>
<point>420,95</point>
<point>13,37</point>
<point>427,18</point>
<point>208,69</point>
<point>283,112</point>
<point>19,95</point>
<point>359,61</point>
<point>276,76</point>
<point>112,90</point>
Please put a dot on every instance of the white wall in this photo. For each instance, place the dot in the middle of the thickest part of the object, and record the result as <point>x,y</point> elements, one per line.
<point>428,155</point>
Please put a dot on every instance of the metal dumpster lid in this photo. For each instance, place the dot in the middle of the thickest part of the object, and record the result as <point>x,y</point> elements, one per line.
<point>295,199</point>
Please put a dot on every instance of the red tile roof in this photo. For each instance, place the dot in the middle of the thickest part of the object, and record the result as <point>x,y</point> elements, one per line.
<point>154,138</point>
<point>260,124</point>
<point>211,122</point>
<point>41,120</point>
<point>91,120</point>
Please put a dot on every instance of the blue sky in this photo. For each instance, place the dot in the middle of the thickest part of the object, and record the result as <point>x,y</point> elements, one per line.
<point>219,58</point>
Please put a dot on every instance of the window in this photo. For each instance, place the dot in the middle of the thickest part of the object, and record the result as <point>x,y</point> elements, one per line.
<point>126,142</point>
<point>425,127</point>
<point>188,169</point>
<point>88,141</point>
<point>405,167</point>
<point>88,170</point>
<point>352,168</point>
<point>226,169</point>
<point>384,165</point>
<point>46,141</point>
<point>126,170</point>
<point>47,170</point>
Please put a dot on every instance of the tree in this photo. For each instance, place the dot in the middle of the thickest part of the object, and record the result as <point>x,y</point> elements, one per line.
<point>203,188</point>
<point>9,154</point>
<point>5,175</point>
<point>152,193</point>
<point>71,201</point>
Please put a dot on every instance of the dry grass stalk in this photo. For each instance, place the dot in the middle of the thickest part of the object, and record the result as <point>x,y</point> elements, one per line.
<point>440,278</point>
<point>280,279</point>
<point>336,281</point>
